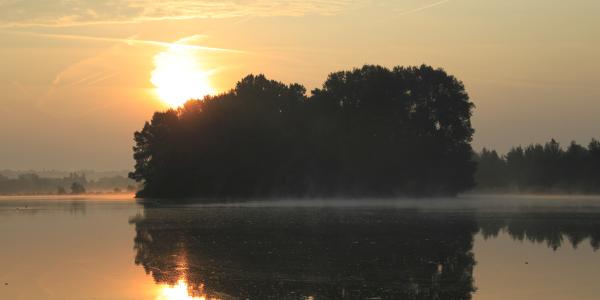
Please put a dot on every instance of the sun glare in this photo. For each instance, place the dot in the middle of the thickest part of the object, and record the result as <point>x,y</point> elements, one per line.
<point>178,76</point>
<point>180,291</point>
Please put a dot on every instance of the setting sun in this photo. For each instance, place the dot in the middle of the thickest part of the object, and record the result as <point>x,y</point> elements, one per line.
<point>178,75</point>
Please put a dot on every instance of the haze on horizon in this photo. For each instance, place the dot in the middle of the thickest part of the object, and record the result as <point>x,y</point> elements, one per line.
<point>78,77</point>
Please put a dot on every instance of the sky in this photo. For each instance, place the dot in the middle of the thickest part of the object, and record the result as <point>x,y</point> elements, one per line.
<point>78,77</point>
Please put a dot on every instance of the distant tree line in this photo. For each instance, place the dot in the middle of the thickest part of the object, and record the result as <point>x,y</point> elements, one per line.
<point>371,131</point>
<point>74,183</point>
<point>541,168</point>
<point>91,175</point>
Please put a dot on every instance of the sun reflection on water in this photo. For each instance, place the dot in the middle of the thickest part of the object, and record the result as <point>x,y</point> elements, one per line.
<point>180,291</point>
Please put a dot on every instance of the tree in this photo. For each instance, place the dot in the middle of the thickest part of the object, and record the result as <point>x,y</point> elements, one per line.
<point>491,170</point>
<point>61,190</point>
<point>77,188</point>
<point>233,144</point>
<point>396,131</point>
<point>543,168</point>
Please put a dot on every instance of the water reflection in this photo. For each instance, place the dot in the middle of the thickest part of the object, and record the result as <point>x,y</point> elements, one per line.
<point>327,253</point>
<point>551,228</point>
<point>300,253</point>
<point>181,291</point>
<point>34,207</point>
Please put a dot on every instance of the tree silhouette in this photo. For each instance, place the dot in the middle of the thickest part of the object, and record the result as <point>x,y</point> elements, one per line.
<point>367,132</point>
<point>34,184</point>
<point>77,188</point>
<point>491,170</point>
<point>542,168</point>
<point>61,191</point>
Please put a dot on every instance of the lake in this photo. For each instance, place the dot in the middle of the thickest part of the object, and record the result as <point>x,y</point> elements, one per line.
<point>473,247</point>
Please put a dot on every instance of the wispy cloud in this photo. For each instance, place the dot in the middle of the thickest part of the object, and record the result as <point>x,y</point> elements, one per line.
<point>84,73</point>
<point>57,13</point>
<point>422,8</point>
<point>130,41</point>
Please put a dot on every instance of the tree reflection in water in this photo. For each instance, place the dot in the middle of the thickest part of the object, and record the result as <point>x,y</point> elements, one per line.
<point>551,228</point>
<point>274,253</point>
<point>296,253</point>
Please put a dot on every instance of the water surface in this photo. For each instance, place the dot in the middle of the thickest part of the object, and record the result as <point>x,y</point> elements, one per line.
<point>474,247</point>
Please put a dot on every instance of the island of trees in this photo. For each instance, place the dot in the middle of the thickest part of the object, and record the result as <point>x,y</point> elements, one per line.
<point>371,131</point>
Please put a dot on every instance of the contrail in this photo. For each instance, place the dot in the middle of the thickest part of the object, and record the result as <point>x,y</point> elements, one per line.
<point>129,41</point>
<point>418,9</point>
<point>93,78</point>
<point>85,79</point>
<point>105,77</point>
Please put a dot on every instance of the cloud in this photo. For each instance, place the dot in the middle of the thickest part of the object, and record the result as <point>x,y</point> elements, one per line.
<point>25,13</point>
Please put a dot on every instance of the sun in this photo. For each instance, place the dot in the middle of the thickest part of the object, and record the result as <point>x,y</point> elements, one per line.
<point>179,77</point>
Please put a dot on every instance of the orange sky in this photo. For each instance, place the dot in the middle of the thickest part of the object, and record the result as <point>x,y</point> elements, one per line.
<point>76,77</point>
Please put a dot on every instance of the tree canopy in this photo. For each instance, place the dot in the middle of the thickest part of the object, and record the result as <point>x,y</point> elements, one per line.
<point>371,131</point>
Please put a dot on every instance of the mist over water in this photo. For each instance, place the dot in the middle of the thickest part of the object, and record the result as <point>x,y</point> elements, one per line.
<point>463,202</point>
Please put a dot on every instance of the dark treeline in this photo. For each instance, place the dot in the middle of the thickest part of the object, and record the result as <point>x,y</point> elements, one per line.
<point>367,132</point>
<point>541,168</point>
<point>74,183</point>
<point>91,175</point>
